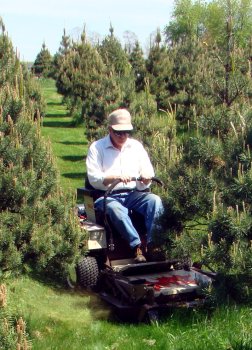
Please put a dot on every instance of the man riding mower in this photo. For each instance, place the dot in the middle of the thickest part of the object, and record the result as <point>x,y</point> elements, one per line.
<point>120,160</point>
<point>122,262</point>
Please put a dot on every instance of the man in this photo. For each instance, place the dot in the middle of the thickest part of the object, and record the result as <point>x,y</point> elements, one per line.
<point>117,156</point>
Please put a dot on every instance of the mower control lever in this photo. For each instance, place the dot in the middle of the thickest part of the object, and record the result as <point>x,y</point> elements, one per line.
<point>117,181</point>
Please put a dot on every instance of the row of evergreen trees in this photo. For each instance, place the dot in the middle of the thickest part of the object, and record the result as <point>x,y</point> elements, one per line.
<point>191,102</point>
<point>201,62</point>
<point>38,227</point>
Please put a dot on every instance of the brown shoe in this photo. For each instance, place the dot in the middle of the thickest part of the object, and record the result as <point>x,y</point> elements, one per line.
<point>154,253</point>
<point>139,258</point>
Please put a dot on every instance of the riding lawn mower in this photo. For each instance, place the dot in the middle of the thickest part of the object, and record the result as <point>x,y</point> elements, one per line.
<point>136,292</point>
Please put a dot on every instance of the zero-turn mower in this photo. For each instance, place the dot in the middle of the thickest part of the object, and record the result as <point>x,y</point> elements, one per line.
<point>135,291</point>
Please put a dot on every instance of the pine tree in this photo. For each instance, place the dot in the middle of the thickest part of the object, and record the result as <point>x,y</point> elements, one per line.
<point>38,227</point>
<point>117,64</point>
<point>137,62</point>
<point>43,63</point>
<point>65,44</point>
<point>159,65</point>
<point>65,47</point>
<point>113,54</point>
<point>89,87</point>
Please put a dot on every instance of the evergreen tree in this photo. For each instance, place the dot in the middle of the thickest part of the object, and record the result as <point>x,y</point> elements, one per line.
<point>65,44</point>
<point>113,54</point>
<point>18,92</point>
<point>65,47</point>
<point>43,62</point>
<point>117,64</point>
<point>186,84</point>
<point>38,227</point>
<point>84,80</point>
<point>137,62</point>
<point>159,66</point>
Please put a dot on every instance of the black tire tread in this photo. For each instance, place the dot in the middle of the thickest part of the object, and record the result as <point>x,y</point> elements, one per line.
<point>87,272</point>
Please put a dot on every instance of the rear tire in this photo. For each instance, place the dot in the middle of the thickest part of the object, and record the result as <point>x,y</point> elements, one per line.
<point>87,272</point>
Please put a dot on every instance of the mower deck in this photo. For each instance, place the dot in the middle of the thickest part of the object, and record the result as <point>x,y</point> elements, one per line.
<point>136,290</point>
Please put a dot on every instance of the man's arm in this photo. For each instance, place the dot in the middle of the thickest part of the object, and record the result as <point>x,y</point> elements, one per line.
<point>94,167</point>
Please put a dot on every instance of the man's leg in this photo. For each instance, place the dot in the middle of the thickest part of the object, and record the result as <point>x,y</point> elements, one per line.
<point>151,207</point>
<point>147,204</point>
<point>119,216</point>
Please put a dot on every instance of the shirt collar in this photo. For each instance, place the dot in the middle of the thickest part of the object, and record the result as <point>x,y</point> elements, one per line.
<point>109,144</point>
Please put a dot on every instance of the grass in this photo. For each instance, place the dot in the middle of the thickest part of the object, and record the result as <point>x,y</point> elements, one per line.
<point>69,144</point>
<point>59,319</point>
<point>65,319</point>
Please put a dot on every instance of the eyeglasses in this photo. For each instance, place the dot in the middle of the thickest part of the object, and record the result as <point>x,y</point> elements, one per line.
<point>121,132</point>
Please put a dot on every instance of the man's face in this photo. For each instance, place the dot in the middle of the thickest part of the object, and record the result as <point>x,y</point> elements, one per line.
<point>118,138</point>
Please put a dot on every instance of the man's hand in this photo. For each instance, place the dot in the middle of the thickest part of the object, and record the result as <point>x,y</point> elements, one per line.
<point>111,178</point>
<point>145,181</point>
<point>124,179</point>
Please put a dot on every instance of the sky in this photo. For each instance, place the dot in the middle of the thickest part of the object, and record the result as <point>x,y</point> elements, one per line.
<point>30,23</point>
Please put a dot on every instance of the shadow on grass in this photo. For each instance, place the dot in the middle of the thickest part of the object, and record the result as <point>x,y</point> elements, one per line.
<point>182,317</point>
<point>99,309</point>
<point>73,158</point>
<point>74,143</point>
<point>74,175</point>
<point>54,103</point>
<point>57,124</point>
<point>59,114</point>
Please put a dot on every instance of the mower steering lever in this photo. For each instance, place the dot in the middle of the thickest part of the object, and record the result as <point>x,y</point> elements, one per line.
<point>117,181</point>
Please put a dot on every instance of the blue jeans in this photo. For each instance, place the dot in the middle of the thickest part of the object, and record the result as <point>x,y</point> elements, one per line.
<point>118,207</point>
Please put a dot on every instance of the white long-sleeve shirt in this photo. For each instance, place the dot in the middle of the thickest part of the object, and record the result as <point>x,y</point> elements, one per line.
<point>104,159</point>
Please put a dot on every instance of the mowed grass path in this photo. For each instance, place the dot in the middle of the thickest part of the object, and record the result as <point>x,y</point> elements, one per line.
<point>69,144</point>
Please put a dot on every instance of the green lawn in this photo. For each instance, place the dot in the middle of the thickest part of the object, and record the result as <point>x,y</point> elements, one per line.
<point>69,144</point>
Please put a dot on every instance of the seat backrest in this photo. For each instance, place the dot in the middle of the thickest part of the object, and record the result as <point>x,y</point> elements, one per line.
<point>89,194</point>
<point>93,191</point>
